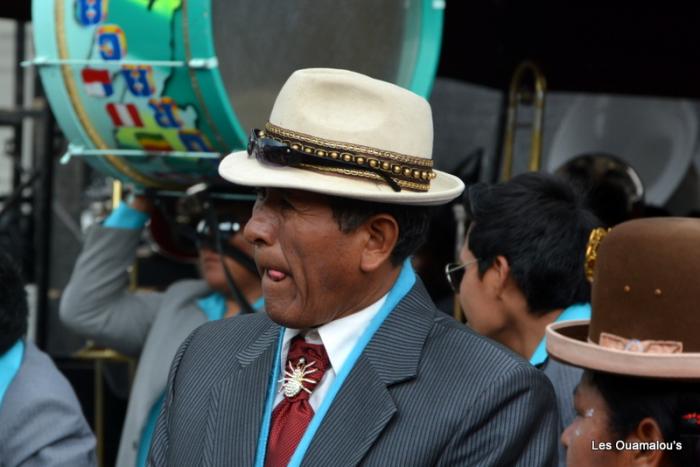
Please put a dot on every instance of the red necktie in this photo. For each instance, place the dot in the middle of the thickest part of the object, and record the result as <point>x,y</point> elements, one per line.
<point>306,364</point>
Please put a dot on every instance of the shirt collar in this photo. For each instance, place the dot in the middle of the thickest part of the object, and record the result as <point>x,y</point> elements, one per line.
<point>577,311</point>
<point>338,337</point>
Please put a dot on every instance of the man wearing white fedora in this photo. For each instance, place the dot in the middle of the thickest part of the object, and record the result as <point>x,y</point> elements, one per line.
<point>352,364</point>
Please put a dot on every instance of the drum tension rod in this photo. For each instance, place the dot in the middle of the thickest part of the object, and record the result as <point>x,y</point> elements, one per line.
<point>75,150</point>
<point>195,63</point>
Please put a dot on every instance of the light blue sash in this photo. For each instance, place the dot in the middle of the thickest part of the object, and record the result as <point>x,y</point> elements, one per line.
<point>403,285</point>
<point>577,311</point>
<point>10,362</point>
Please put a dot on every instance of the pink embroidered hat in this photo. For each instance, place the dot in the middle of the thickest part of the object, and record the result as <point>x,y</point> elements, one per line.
<point>645,318</point>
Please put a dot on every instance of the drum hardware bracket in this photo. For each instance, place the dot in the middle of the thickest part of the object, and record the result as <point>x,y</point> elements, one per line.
<point>194,63</point>
<point>76,150</point>
<point>204,63</point>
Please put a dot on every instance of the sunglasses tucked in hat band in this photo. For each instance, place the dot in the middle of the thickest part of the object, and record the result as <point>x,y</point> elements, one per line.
<point>279,146</point>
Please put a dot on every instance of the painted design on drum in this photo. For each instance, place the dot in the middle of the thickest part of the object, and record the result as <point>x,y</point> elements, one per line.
<point>90,12</point>
<point>98,83</point>
<point>139,80</point>
<point>139,106</point>
<point>111,42</point>
<point>152,141</point>
<point>194,140</point>
<point>110,162</point>
<point>124,115</point>
<point>165,112</point>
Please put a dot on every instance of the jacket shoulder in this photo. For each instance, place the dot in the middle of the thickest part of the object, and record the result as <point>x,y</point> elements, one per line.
<point>476,355</point>
<point>207,344</point>
<point>41,415</point>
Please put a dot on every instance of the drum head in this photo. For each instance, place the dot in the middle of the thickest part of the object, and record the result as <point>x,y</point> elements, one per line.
<point>259,44</point>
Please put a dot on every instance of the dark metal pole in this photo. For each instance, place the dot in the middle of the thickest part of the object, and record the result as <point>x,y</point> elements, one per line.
<point>20,36</point>
<point>43,218</point>
<point>494,168</point>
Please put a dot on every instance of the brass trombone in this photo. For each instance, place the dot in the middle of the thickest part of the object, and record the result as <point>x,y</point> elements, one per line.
<point>519,95</point>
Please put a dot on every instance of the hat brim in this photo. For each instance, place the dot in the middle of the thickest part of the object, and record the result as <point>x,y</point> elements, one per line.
<point>568,341</point>
<point>238,168</point>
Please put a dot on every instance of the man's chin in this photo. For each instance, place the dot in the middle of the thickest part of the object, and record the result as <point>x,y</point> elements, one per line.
<point>218,284</point>
<point>286,316</point>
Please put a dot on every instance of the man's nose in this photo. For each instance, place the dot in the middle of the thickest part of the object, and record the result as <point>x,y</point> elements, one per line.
<point>260,229</point>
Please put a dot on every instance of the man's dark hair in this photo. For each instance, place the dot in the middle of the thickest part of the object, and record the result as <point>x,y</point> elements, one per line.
<point>631,399</point>
<point>539,223</point>
<point>13,304</point>
<point>413,222</point>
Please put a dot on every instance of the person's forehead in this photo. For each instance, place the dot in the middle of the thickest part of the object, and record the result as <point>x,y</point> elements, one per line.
<point>586,390</point>
<point>465,253</point>
<point>310,197</point>
<point>224,207</point>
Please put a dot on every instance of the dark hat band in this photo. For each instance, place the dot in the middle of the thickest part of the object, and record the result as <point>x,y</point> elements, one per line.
<point>410,172</point>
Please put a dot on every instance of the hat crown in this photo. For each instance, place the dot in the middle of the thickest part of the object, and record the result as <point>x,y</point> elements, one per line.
<point>642,282</point>
<point>348,107</point>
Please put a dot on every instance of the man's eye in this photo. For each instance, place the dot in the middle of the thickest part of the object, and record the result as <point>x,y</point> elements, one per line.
<point>285,203</point>
<point>261,194</point>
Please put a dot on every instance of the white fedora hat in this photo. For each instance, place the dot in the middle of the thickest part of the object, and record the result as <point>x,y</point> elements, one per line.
<point>345,134</point>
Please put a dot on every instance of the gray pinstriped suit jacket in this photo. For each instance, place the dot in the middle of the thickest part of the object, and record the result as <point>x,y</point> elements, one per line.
<point>41,422</point>
<point>426,391</point>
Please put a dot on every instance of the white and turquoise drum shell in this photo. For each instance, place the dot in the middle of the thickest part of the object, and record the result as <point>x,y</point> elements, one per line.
<point>152,92</point>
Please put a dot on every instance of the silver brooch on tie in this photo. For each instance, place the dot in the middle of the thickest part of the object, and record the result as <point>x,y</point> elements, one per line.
<point>294,379</point>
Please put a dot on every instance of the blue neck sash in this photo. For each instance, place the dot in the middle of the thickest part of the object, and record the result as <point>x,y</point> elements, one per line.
<point>404,283</point>
<point>577,311</point>
<point>10,362</point>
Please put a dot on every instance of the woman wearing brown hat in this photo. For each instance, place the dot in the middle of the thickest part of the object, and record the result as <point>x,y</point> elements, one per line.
<point>638,402</point>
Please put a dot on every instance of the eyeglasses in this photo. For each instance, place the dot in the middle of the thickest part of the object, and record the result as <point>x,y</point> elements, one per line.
<point>226,227</point>
<point>455,272</point>
<point>277,153</point>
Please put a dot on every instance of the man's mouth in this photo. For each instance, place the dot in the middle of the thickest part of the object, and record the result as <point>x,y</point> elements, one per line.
<point>275,275</point>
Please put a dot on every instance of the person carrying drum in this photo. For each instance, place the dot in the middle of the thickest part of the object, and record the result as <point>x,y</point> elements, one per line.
<point>151,325</point>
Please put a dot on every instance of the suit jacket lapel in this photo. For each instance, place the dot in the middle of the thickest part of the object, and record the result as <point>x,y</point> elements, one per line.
<point>237,404</point>
<point>364,406</point>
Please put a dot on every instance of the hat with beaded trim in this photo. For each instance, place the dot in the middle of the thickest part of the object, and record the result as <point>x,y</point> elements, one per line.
<point>341,133</point>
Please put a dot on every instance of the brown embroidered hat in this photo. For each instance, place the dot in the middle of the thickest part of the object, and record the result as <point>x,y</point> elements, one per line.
<point>645,319</point>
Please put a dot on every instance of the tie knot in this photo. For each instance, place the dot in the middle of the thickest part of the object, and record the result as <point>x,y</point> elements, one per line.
<point>306,365</point>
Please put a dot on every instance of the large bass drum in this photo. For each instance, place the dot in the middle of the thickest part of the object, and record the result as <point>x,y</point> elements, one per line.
<point>152,92</point>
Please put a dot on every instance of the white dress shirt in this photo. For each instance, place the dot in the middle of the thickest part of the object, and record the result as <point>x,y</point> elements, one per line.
<point>339,338</point>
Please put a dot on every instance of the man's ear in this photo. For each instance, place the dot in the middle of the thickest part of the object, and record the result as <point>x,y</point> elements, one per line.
<point>498,274</point>
<point>647,431</point>
<point>382,233</point>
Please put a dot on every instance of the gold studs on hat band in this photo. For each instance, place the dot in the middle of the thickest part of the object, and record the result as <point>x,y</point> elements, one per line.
<point>409,172</point>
